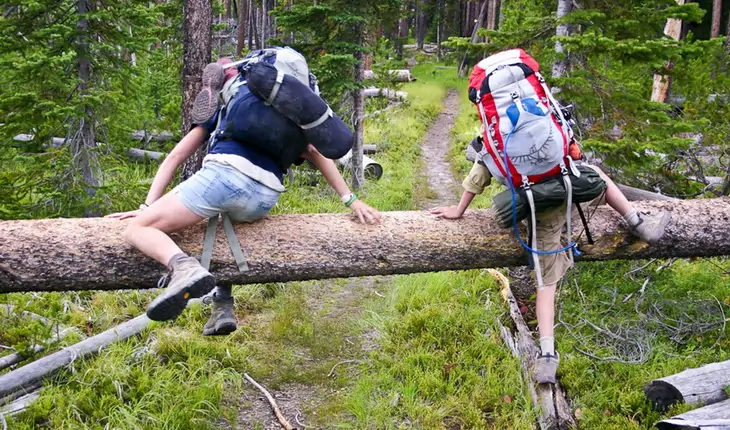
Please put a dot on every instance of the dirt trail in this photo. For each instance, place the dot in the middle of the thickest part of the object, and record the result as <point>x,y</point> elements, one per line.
<point>435,152</point>
<point>300,401</point>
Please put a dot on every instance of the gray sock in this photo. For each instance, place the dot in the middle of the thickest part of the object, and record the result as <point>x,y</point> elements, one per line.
<point>223,292</point>
<point>632,217</point>
<point>175,258</point>
<point>547,345</point>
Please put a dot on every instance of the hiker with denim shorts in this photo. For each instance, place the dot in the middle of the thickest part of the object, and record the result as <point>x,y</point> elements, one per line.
<point>237,178</point>
<point>550,226</point>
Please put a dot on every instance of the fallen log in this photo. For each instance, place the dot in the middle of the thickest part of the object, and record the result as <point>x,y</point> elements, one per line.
<point>89,253</point>
<point>634,194</point>
<point>373,169</point>
<point>26,376</point>
<point>704,384</point>
<point>403,75</point>
<point>144,136</point>
<point>384,92</point>
<point>548,399</point>
<point>712,417</point>
<point>144,155</point>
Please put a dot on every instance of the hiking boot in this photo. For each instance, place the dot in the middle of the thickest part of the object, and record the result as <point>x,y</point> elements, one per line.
<point>222,321</point>
<point>206,102</point>
<point>546,368</point>
<point>188,280</point>
<point>651,227</point>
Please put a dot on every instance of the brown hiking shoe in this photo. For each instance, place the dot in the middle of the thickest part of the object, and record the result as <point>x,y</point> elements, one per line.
<point>188,280</point>
<point>546,368</point>
<point>222,321</point>
<point>206,102</point>
<point>651,227</point>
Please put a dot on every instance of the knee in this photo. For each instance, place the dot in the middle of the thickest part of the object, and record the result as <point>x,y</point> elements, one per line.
<point>132,230</point>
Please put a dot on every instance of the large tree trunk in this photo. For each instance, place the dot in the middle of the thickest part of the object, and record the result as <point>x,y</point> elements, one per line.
<point>242,24</point>
<point>358,171</point>
<point>480,21</point>
<point>560,67</point>
<point>197,35</point>
<point>716,18</point>
<point>660,88</point>
<point>87,254</point>
<point>704,384</point>
<point>81,135</point>
<point>421,22</point>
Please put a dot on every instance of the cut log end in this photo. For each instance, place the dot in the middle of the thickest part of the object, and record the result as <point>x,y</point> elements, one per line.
<point>662,395</point>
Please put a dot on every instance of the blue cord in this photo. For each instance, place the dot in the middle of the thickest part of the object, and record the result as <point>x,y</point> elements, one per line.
<point>572,245</point>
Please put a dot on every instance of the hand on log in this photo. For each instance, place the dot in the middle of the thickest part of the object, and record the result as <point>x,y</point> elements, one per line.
<point>87,254</point>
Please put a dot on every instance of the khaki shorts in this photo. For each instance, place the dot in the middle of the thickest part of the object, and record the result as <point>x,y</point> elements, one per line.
<point>551,236</point>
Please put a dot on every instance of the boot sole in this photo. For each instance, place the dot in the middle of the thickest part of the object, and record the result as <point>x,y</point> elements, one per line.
<point>206,102</point>
<point>171,304</point>
<point>222,329</point>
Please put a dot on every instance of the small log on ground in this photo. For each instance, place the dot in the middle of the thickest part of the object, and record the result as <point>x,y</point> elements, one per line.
<point>403,75</point>
<point>373,169</point>
<point>704,384</point>
<point>90,254</point>
<point>20,404</point>
<point>369,149</point>
<point>548,399</point>
<point>141,135</point>
<point>712,417</point>
<point>634,194</point>
<point>384,92</point>
<point>29,374</point>
<point>144,155</point>
<point>16,357</point>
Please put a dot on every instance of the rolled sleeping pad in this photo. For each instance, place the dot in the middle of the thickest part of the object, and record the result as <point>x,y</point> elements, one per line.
<point>299,103</point>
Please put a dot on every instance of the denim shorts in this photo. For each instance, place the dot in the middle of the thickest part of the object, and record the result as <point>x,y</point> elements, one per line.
<point>218,188</point>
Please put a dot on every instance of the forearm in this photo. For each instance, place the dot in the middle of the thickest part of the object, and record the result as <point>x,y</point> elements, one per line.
<point>466,198</point>
<point>331,173</point>
<point>184,149</point>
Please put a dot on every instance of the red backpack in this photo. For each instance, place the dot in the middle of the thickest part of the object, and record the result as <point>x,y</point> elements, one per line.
<point>526,136</point>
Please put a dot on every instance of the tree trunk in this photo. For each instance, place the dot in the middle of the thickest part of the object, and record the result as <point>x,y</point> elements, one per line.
<point>242,24</point>
<point>660,88</point>
<point>421,22</point>
<point>480,21</point>
<point>81,135</point>
<point>358,172</point>
<point>716,18</point>
<point>90,254</point>
<point>197,35</point>
<point>492,16</point>
<point>560,67</point>
<point>440,15</point>
<point>701,385</point>
<point>264,23</point>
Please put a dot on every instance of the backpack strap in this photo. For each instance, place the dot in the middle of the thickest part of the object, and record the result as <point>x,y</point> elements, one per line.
<point>233,243</point>
<point>533,230</point>
<point>488,129</point>
<point>569,207</point>
<point>275,90</point>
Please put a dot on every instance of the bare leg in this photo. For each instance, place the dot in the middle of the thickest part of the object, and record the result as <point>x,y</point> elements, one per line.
<point>545,310</point>
<point>148,232</point>
<point>614,197</point>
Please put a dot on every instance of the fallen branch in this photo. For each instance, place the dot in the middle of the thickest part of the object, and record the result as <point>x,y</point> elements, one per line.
<point>144,155</point>
<point>30,373</point>
<point>279,416</point>
<point>402,75</point>
<point>553,408</point>
<point>332,372</point>
<point>16,357</point>
<point>19,405</point>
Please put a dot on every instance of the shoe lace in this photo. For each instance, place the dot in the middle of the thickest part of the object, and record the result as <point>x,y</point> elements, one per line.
<point>164,280</point>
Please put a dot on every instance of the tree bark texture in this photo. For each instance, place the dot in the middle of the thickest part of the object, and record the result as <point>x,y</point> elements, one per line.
<point>480,21</point>
<point>660,88</point>
<point>242,24</point>
<point>81,136</point>
<point>560,67</point>
<point>712,417</point>
<point>421,22</point>
<point>358,171</point>
<point>197,36</point>
<point>701,385</point>
<point>90,254</point>
<point>716,18</point>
